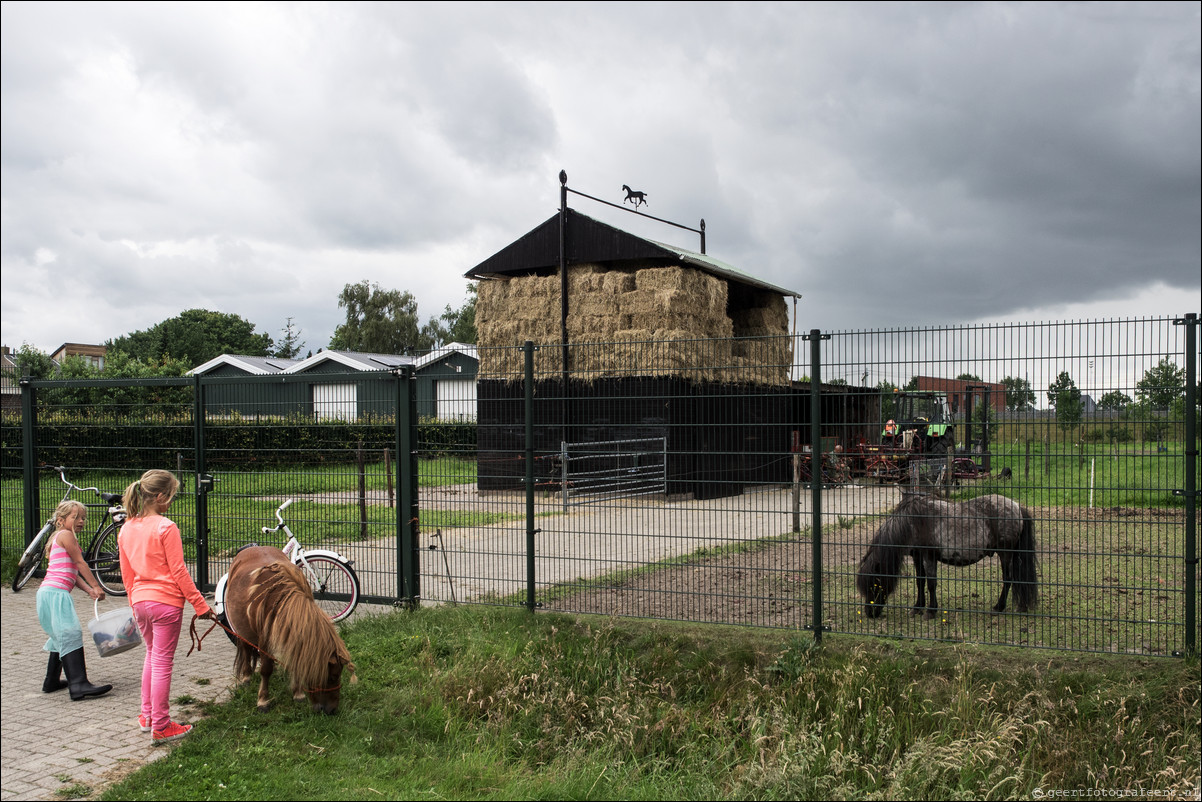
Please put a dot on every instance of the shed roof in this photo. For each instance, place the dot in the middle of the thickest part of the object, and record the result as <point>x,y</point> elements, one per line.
<point>590,241</point>
<point>354,361</point>
<point>254,365</point>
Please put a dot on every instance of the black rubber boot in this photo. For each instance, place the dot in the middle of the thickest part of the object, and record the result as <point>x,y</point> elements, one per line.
<point>54,675</point>
<point>77,677</point>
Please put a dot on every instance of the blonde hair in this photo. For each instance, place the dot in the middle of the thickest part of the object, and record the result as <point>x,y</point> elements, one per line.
<point>64,509</point>
<point>140,495</point>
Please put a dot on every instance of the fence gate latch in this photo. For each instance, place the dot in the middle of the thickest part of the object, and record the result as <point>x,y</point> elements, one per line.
<point>204,483</point>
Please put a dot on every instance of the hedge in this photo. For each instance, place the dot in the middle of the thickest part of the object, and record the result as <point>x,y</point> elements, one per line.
<point>230,444</point>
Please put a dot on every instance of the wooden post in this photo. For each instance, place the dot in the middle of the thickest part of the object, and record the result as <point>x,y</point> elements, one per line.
<point>388,474</point>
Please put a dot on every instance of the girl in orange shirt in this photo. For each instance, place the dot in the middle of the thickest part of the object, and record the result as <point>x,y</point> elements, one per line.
<point>158,582</point>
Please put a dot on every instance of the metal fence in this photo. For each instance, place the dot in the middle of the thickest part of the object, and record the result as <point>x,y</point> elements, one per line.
<point>779,467</point>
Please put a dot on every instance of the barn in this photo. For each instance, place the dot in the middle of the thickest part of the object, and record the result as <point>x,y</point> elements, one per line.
<point>661,342</point>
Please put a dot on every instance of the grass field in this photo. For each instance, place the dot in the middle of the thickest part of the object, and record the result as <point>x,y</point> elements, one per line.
<point>486,703</point>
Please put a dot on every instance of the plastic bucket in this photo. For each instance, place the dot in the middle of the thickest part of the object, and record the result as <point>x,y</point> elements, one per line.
<point>115,631</point>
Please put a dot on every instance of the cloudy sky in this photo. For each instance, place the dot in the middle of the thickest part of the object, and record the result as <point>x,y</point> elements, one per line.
<point>898,164</point>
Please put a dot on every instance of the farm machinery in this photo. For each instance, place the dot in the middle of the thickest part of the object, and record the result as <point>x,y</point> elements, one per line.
<point>917,443</point>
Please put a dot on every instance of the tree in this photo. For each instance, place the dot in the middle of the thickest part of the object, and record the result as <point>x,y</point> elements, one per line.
<point>888,392</point>
<point>454,325</point>
<point>1115,399</point>
<point>969,377</point>
<point>378,321</point>
<point>1161,385</point>
<point>1019,395</point>
<point>194,336</point>
<point>290,344</point>
<point>1066,398</point>
<point>32,362</point>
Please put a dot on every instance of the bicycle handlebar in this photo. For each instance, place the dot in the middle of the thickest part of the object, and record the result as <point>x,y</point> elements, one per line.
<point>62,474</point>
<point>278,517</point>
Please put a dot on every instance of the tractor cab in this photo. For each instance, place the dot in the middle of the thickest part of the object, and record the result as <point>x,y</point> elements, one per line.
<point>922,422</point>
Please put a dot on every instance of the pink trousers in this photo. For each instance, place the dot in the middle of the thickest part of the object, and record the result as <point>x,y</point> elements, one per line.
<point>160,625</point>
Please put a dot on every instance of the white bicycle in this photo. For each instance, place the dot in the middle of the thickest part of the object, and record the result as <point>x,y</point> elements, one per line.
<point>335,584</point>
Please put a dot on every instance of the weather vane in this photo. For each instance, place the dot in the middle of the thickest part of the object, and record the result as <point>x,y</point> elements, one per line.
<point>636,197</point>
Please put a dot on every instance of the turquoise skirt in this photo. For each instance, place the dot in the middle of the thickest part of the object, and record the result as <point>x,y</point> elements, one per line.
<point>56,613</point>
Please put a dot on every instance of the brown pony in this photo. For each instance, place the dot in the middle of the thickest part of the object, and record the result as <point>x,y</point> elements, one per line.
<point>269,604</point>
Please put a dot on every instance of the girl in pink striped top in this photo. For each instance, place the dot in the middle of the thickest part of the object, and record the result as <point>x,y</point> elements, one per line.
<point>67,570</point>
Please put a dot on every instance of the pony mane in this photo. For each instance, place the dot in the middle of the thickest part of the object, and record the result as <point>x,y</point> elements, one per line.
<point>300,636</point>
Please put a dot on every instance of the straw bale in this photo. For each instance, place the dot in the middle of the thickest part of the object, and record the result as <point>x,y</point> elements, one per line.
<point>653,321</point>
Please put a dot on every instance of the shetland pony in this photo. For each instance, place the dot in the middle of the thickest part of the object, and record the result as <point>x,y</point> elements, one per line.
<point>270,605</point>
<point>932,531</point>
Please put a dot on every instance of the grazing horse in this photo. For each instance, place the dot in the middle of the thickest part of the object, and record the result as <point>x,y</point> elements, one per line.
<point>637,197</point>
<point>270,605</point>
<point>932,531</point>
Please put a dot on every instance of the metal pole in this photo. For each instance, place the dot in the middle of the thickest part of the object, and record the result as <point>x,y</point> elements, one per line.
<point>528,349</point>
<point>408,526</point>
<point>29,450</point>
<point>203,483</point>
<point>1191,481</point>
<point>563,299</point>
<point>816,477</point>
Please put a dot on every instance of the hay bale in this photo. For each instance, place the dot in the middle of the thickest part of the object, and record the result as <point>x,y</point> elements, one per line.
<point>650,321</point>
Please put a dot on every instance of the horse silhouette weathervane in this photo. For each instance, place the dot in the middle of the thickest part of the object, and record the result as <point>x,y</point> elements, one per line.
<point>638,198</point>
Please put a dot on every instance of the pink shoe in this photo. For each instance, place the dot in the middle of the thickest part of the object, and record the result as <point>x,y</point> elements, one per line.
<point>144,723</point>
<point>172,732</point>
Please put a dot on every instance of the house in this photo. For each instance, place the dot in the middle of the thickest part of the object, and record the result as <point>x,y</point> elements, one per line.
<point>92,354</point>
<point>662,342</point>
<point>10,374</point>
<point>445,384</point>
<point>992,394</point>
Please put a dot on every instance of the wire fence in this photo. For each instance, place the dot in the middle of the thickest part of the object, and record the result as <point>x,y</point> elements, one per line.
<point>781,459</point>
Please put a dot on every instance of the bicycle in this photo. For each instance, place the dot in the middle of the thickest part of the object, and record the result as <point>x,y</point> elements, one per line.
<point>335,584</point>
<point>101,554</point>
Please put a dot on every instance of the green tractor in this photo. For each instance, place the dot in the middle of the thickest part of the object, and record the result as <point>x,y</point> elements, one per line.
<point>922,424</point>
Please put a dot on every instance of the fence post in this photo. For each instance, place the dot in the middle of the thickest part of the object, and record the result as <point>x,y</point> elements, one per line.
<point>203,483</point>
<point>29,449</point>
<point>407,523</point>
<point>1191,479</point>
<point>528,352</point>
<point>816,337</point>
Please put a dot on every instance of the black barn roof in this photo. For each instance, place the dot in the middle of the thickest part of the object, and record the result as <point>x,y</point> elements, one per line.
<point>590,241</point>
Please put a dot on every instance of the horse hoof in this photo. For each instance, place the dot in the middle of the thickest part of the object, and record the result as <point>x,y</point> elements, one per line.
<point>263,708</point>
<point>919,611</point>
<point>928,615</point>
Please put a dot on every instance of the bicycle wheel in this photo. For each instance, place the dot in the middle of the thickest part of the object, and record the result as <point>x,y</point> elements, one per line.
<point>30,561</point>
<point>105,562</point>
<point>335,586</point>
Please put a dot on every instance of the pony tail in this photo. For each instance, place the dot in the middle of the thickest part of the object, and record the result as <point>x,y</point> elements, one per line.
<point>151,485</point>
<point>132,499</point>
<point>1024,574</point>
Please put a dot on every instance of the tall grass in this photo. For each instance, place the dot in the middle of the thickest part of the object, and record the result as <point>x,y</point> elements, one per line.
<point>485,703</point>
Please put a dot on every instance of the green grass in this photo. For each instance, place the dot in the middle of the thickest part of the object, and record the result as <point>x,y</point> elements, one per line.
<point>488,703</point>
<point>235,512</point>
<point>1059,474</point>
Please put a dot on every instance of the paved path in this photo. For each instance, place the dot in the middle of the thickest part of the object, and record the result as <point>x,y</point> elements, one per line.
<point>49,741</point>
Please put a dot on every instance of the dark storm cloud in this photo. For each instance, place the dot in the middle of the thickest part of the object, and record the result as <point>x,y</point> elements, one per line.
<point>898,164</point>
